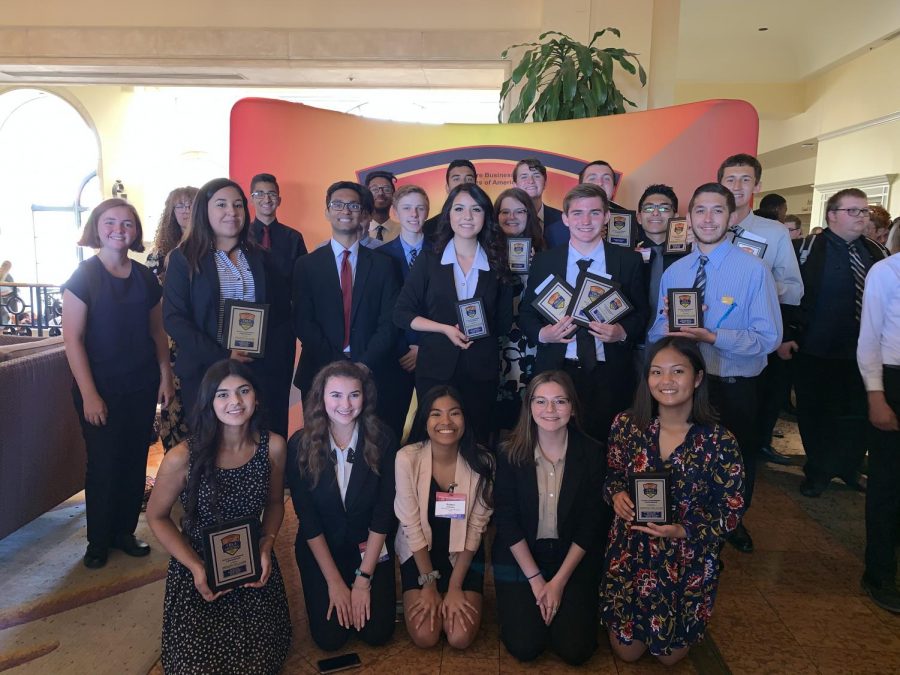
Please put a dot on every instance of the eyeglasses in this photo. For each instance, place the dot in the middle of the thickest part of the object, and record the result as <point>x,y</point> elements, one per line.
<point>259,194</point>
<point>854,211</point>
<point>383,189</point>
<point>182,207</point>
<point>662,208</point>
<point>793,229</point>
<point>340,206</point>
<point>542,402</point>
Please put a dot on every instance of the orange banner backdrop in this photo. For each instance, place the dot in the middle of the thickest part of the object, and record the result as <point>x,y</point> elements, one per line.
<point>307,149</point>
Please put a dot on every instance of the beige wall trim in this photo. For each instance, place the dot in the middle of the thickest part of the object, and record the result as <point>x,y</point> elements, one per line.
<point>884,119</point>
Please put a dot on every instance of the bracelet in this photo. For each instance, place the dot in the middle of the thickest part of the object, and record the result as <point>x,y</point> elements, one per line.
<point>536,574</point>
<point>268,535</point>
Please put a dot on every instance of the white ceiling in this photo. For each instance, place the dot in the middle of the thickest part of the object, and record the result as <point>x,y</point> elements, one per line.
<point>719,40</point>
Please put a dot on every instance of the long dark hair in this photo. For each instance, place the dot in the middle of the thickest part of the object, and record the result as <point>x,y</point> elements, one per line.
<point>168,232</point>
<point>477,457</point>
<point>491,236</point>
<point>532,224</point>
<point>207,433</point>
<point>519,446</point>
<point>315,442</point>
<point>200,238</point>
<point>645,407</point>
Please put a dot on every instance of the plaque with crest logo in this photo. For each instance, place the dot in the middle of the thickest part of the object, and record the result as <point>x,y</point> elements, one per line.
<point>472,321</point>
<point>244,327</point>
<point>650,494</point>
<point>685,308</point>
<point>231,554</point>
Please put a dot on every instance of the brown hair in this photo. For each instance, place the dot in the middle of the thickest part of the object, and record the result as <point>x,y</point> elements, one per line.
<point>406,190</point>
<point>90,236</point>
<point>881,219</point>
<point>585,191</point>
<point>168,232</point>
<point>519,446</point>
<point>835,199</point>
<point>532,226</point>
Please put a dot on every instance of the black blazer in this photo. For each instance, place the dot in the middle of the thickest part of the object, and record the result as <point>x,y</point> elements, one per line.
<point>191,313</point>
<point>369,500</point>
<point>624,266</point>
<point>812,269</point>
<point>287,246</point>
<point>318,312</point>
<point>579,508</point>
<point>430,291</point>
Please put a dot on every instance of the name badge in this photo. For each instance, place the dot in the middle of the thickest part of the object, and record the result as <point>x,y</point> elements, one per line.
<point>381,558</point>
<point>449,505</point>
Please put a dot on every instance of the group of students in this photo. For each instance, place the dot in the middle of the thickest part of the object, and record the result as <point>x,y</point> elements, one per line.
<point>367,341</point>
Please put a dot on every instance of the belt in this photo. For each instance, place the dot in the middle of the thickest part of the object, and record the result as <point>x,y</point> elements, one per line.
<point>575,363</point>
<point>731,379</point>
<point>891,366</point>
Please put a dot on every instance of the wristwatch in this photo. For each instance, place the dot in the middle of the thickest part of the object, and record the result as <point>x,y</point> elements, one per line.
<point>362,574</point>
<point>433,575</point>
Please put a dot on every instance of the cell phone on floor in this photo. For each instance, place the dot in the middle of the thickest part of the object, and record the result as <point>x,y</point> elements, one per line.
<point>337,663</point>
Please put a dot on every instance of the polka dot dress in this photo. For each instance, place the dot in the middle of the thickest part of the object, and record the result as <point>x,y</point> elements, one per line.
<point>245,631</point>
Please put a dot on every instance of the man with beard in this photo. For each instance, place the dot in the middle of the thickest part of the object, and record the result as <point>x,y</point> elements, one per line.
<point>381,184</point>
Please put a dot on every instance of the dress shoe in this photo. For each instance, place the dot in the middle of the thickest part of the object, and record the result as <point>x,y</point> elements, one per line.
<point>855,482</point>
<point>131,545</point>
<point>812,488</point>
<point>95,557</point>
<point>770,454</point>
<point>740,539</point>
<point>884,595</point>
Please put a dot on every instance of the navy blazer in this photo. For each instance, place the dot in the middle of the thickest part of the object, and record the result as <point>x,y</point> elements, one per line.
<point>369,503</point>
<point>556,233</point>
<point>579,517</point>
<point>430,292</point>
<point>395,250</point>
<point>318,313</point>
<point>287,246</point>
<point>191,313</point>
<point>624,266</point>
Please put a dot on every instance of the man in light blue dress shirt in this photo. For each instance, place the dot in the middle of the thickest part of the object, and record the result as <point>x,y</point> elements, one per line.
<point>741,323</point>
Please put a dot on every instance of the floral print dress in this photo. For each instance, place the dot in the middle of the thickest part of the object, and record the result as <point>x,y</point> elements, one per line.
<point>658,590</point>
<point>517,357</point>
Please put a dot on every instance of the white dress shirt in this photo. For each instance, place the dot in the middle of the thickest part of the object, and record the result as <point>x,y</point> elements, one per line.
<point>597,266</point>
<point>465,283</point>
<point>879,327</point>
<point>343,468</point>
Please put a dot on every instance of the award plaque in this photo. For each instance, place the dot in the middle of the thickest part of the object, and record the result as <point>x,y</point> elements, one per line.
<point>591,287</point>
<point>685,308</point>
<point>650,494</point>
<point>231,553</point>
<point>677,236</point>
<point>245,327</point>
<point>751,246</point>
<point>610,307</point>
<point>619,231</point>
<point>472,321</point>
<point>553,298</point>
<point>519,254</point>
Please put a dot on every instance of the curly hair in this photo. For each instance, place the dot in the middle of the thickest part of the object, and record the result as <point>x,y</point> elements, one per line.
<point>490,237</point>
<point>168,232</point>
<point>204,443</point>
<point>479,459</point>
<point>532,224</point>
<point>314,454</point>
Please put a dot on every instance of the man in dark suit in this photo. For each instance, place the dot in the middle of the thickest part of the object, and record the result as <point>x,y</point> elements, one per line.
<point>831,397</point>
<point>285,244</point>
<point>343,297</point>
<point>599,358</point>
<point>458,171</point>
<point>600,173</point>
<point>530,175</point>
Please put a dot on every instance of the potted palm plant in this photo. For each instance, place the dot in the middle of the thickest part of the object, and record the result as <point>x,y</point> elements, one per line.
<point>561,79</point>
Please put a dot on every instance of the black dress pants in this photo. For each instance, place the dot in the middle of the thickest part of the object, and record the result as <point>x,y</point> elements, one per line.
<point>603,392</point>
<point>573,632</point>
<point>831,414</point>
<point>116,462</point>
<point>883,493</point>
<point>736,401</point>
<point>328,634</point>
<point>774,394</point>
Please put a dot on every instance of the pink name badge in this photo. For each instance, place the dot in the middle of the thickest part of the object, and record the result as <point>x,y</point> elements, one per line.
<point>449,505</point>
<point>384,552</point>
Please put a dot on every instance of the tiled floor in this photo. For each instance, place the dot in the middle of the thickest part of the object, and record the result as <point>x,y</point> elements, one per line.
<point>793,606</point>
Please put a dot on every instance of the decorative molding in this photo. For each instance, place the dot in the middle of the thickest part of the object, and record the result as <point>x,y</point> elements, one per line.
<point>852,129</point>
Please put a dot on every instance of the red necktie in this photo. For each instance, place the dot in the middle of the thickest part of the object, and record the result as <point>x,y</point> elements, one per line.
<point>347,294</point>
<point>266,238</point>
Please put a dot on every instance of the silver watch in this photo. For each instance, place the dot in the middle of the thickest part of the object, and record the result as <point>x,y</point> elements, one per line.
<point>433,575</point>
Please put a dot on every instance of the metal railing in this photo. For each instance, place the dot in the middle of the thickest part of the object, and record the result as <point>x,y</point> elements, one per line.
<point>30,309</point>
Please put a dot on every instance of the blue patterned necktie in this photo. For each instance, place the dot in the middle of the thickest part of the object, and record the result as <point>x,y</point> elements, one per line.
<point>413,254</point>
<point>700,279</point>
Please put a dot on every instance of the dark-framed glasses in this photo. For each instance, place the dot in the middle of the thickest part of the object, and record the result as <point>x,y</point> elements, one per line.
<point>854,211</point>
<point>338,205</point>
<point>261,194</point>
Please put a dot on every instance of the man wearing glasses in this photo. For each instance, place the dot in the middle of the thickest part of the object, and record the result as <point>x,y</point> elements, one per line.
<point>343,300</point>
<point>655,207</point>
<point>831,397</point>
<point>381,227</point>
<point>284,243</point>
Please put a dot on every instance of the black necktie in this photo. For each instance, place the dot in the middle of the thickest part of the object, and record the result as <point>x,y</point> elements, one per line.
<point>351,456</point>
<point>859,277</point>
<point>379,232</point>
<point>585,347</point>
<point>700,279</point>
